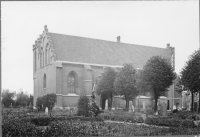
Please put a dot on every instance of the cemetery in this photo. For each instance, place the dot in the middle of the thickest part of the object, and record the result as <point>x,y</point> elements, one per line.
<point>87,120</point>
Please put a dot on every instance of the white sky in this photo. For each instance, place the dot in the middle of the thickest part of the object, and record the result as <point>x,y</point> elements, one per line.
<point>151,23</point>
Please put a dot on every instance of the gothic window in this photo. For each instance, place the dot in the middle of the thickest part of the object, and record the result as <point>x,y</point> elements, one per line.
<point>44,81</point>
<point>43,59</point>
<point>35,60</point>
<point>46,56</point>
<point>71,83</point>
<point>49,55</point>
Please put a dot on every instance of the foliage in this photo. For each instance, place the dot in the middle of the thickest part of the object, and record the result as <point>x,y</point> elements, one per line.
<point>191,74</point>
<point>105,87</point>
<point>39,103</point>
<point>170,122</point>
<point>21,124</point>
<point>22,99</point>
<point>122,116</point>
<point>83,106</point>
<point>125,83</point>
<point>87,109</point>
<point>46,101</point>
<point>7,97</point>
<point>157,75</point>
<point>94,110</point>
<point>183,114</point>
<point>178,86</point>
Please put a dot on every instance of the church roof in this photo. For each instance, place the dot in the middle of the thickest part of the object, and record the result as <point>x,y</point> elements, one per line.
<point>94,51</point>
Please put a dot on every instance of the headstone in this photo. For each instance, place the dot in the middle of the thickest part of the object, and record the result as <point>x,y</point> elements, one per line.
<point>106,105</point>
<point>133,108</point>
<point>174,107</point>
<point>164,109</point>
<point>46,110</point>
<point>130,106</point>
<point>143,105</point>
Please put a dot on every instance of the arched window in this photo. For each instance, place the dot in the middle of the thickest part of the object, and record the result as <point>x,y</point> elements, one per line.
<point>71,83</point>
<point>35,60</point>
<point>43,59</point>
<point>46,56</point>
<point>44,81</point>
<point>49,51</point>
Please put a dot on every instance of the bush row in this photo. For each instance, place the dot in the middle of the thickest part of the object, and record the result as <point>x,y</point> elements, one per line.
<point>44,121</point>
<point>170,122</point>
<point>77,128</point>
<point>183,114</point>
<point>127,117</point>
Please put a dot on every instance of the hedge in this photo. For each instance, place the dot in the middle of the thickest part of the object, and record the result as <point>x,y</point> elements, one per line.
<point>170,122</point>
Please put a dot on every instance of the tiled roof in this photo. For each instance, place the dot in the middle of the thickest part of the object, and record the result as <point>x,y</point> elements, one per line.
<point>87,50</point>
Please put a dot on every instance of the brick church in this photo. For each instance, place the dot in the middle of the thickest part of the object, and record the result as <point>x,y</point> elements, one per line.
<point>70,66</point>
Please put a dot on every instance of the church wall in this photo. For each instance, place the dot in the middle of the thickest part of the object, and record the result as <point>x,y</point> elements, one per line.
<point>49,70</point>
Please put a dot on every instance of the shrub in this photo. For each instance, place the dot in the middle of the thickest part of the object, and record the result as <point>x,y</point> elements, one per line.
<point>94,110</point>
<point>83,106</point>
<point>194,117</point>
<point>187,123</point>
<point>183,114</point>
<point>122,116</point>
<point>41,121</point>
<point>170,122</point>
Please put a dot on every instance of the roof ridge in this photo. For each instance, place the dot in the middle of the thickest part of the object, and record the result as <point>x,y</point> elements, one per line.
<point>107,41</point>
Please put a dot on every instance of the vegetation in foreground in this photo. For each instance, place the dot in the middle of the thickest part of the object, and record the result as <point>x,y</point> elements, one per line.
<point>20,123</point>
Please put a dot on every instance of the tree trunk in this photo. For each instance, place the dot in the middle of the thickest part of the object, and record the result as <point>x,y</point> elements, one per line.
<point>199,103</point>
<point>127,104</point>
<point>192,108</point>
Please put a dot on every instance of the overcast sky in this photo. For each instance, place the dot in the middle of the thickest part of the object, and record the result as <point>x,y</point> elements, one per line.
<point>152,23</point>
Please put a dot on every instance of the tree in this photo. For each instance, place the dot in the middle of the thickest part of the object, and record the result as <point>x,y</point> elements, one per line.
<point>46,101</point>
<point>22,99</point>
<point>7,97</point>
<point>39,103</point>
<point>125,83</point>
<point>105,87</point>
<point>191,75</point>
<point>157,75</point>
<point>179,88</point>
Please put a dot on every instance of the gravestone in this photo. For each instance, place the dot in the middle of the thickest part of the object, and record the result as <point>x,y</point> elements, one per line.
<point>46,110</point>
<point>106,105</point>
<point>143,105</point>
<point>130,106</point>
<point>164,109</point>
<point>133,108</point>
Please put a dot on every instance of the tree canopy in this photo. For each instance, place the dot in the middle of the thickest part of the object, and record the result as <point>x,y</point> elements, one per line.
<point>191,74</point>
<point>125,83</point>
<point>48,100</point>
<point>105,87</point>
<point>7,97</point>
<point>157,75</point>
<point>22,99</point>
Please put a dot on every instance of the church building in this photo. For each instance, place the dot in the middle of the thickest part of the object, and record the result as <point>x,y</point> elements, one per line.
<point>70,66</point>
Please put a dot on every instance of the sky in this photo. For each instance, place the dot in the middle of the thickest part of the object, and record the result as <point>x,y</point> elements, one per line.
<point>150,23</point>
